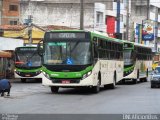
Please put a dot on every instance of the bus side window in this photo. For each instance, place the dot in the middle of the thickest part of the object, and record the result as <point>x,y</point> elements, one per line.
<point>95,47</point>
<point>107,50</point>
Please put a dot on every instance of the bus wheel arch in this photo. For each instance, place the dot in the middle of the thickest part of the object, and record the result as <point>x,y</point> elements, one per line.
<point>23,80</point>
<point>113,85</point>
<point>147,73</point>
<point>54,89</point>
<point>135,80</point>
<point>137,74</point>
<point>99,77</point>
<point>146,79</point>
<point>96,89</point>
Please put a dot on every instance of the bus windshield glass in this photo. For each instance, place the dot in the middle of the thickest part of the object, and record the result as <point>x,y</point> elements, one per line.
<point>128,57</point>
<point>67,53</point>
<point>27,57</point>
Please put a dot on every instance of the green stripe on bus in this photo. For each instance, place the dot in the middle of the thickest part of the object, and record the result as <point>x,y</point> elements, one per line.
<point>79,74</point>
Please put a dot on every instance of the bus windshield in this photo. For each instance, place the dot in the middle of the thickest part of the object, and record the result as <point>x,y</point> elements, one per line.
<point>67,53</point>
<point>128,57</point>
<point>27,58</point>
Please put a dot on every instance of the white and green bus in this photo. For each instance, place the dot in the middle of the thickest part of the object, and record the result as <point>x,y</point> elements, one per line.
<point>28,64</point>
<point>137,62</point>
<point>76,58</point>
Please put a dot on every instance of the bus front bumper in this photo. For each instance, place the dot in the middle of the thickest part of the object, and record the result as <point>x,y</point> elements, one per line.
<point>67,83</point>
<point>27,75</point>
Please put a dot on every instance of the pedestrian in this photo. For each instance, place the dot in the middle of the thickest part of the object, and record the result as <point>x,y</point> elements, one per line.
<point>5,86</point>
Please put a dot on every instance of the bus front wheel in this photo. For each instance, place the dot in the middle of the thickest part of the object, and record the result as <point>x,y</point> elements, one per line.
<point>54,89</point>
<point>146,79</point>
<point>152,86</point>
<point>134,81</point>
<point>23,80</point>
<point>96,89</point>
<point>113,85</point>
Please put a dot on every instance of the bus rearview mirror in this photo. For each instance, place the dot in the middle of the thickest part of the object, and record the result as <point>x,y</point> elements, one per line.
<point>40,49</point>
<point>95,44</point>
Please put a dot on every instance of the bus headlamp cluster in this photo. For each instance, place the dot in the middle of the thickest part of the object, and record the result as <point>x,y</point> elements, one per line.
<point>38,72</point>
<point>17,71</point>
<point>87,74</point>
<point>46,75</point>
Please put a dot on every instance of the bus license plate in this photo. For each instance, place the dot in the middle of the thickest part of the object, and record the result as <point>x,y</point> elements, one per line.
<point>65,81</point>
<point>27,75</point>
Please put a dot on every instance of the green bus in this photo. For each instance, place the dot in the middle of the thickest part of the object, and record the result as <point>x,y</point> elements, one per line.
<point>28,64</point>
<point>77,58</point>
<point>137,62</point>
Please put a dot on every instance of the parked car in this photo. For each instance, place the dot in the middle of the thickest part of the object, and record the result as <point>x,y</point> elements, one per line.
<point>155,77</point>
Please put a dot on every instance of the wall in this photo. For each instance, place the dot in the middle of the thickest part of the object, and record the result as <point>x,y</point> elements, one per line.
<point>58,14</point>
<point>155,3</point>
<point>99,17</point>
<point>8,15</point>
<point>0,12</point>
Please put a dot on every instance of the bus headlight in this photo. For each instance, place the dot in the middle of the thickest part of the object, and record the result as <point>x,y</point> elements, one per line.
<point>87,74</point>
<point>46,75</point>
<point>38,72</point>
<point>17,72</point>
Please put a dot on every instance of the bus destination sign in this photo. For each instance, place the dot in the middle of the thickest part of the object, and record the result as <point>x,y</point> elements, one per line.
<point>66,35</point>
<point>27,49</point>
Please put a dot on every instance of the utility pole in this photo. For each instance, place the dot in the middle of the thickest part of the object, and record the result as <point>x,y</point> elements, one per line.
<point>156,30</point>
<point>118,21</point>
<point>127,21</point>
<point>148,9</point>
<point>30,29</point>
<point>81,15</point>
<point>1,12</point>
<point>29,24</point>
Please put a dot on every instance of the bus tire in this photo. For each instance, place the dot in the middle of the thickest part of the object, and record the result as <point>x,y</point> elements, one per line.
<point>39,80</point>
<point>152,86</point>
<point>135,81</point>
<point>54,89</point>
<point>113,85</point>
<point>146,79</point>
<point>96,89</point>
<point>123,81</point>
<point>23,80</point>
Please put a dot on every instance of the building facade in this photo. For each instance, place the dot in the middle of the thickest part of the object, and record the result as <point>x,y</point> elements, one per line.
<point>98,15</point>
<point>58,13</point>
<point>146,10</point>
<point>9,12</point>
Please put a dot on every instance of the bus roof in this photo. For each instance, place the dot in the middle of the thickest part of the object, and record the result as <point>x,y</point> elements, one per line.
<point>101,35</point>
<point>27,47</point>
<point>141,45</point>
<point>98,34</point>
<point>5,54</point>
<point>67,31</point>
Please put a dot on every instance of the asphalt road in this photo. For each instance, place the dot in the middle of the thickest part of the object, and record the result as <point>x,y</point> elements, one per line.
<point>34,98</point>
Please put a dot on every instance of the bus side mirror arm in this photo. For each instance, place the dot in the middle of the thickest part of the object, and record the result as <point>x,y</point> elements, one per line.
<point>40,48</point>
<point>95,43</point>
